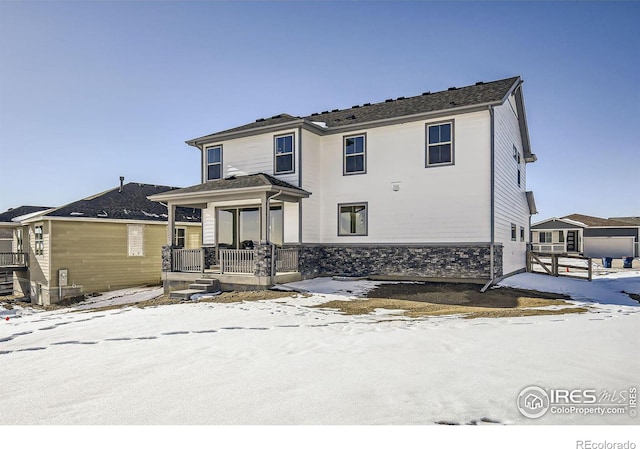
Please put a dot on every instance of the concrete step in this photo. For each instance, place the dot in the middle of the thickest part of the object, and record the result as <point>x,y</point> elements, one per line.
<point>209,281</point>
<point>183,294</point>
<point>207,288</point>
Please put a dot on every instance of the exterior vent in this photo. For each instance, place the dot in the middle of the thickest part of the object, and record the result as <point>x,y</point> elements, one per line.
<point>315,113</point>
<point>325,112</point>
<point>277,116</point>
<point>335,110</point>
<point>367,104</point>
<point>400,98</point>
<point>355,107</point>
<point>260,120</point>
<point>452,103</point>
<point>479,83</point>
<point>453,88</point>
<point>351,117</point>
<point>426,93</point>
<point>388,100</point>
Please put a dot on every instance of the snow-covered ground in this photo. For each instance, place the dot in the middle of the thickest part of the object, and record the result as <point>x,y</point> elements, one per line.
<point>283,362</point>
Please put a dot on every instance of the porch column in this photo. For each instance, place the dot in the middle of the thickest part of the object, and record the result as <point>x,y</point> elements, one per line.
<point>171,223</point>
<point>264,218</point>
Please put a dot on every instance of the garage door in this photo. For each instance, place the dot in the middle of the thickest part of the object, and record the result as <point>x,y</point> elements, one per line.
<point>615,247</point>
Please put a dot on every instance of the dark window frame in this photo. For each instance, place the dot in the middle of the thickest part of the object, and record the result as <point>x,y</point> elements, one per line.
<point>451,142</point>
<point>522,234</point>
<point>353,155</point>
<point>292,153</point>
<point>514,232</point>
<point>366,218</point>
<point>208,164</point>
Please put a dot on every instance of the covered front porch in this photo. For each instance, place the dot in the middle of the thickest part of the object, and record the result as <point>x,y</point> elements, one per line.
<point>250,232</point>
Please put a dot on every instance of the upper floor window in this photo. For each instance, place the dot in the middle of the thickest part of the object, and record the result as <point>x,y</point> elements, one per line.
<point>522,234</point>
<point>352,219</point>
<point>284,154</point>
<point>440,144</point>
<point>214,162</point>
<point>39,240</point>
<point>355,150</point>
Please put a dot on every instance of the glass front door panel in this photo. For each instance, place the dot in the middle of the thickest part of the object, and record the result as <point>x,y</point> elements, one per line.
<point>276,233</point>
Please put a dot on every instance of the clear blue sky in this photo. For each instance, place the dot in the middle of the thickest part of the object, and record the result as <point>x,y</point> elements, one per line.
<point>90,91</point>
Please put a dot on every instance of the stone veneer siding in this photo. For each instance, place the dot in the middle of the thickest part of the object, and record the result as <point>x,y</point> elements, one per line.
<point>442,261</point>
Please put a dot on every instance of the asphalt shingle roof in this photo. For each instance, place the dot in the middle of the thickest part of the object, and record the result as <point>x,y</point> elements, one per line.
<point>480,93</point>
<point>10,214</point>
<point>130,204</point>
<point>596,221</point>
<point>239,182</point>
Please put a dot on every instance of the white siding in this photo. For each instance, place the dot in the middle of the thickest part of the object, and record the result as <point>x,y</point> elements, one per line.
<point>291,219</point>
<point>208,225</point>
<point>433,205</point>
<point>254,154</point>
<point>312,181</point>
<point>510,200</point>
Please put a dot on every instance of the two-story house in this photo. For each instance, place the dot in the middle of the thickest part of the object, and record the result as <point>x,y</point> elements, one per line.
<point>429,186</point>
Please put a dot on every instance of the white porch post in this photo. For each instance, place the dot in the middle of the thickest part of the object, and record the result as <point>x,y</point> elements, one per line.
<point>171,222</point>
<point>264,218</point>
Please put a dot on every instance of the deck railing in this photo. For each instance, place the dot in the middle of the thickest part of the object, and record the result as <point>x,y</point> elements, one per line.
<point>237,261</point>
<point>187,260</point>
<point>13,260</point>
<point>286,260</point>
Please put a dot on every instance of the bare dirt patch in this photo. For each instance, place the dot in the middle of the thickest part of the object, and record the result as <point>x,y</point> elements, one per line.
<point>437,299</point>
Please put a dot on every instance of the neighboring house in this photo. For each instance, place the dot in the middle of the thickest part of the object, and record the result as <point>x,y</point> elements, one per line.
<point>106,241</point>
<point>431,186</point>
<point>590,236</point>
<point>10,260</point>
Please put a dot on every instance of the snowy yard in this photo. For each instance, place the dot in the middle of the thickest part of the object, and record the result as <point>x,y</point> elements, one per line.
<point>282,362</point>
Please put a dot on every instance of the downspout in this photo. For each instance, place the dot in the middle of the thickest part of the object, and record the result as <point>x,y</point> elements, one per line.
<point>493,225</point>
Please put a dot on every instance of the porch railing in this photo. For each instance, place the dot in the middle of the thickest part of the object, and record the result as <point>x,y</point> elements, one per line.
<point>13,260</point>
<point>548,248</point>
<point>187,260</point>
<point>238,261</point>
<point>286,260</point>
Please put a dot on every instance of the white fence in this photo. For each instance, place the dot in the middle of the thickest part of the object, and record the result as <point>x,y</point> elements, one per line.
<point>188,260</point>
<point>238,261</point>
<point>286,260</point>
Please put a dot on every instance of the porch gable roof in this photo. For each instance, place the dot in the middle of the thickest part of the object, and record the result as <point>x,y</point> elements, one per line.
<point>258,182</point>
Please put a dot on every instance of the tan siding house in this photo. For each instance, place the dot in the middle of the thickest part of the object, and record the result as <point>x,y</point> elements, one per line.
<point>108,241</point>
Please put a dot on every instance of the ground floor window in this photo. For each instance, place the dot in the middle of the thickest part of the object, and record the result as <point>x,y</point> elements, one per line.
<point>513,232</point>
<point>546,237</point>
<point>521,233</point>
<point>352,219</point>
<point>179,237</point>
<point>19,240</point>
<point>239,228</point>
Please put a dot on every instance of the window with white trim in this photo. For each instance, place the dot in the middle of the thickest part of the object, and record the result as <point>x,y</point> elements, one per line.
<point>352,219</point>
<point>135,240</point>
<point>545,236</point>
<point>439,144</point>
<point>179,237</point>
<point>214,162</point>
<point>19,240</point>
<point>283,148</point>
<point>39,239</point>
<point>514,230</point>
<point>355,155</point>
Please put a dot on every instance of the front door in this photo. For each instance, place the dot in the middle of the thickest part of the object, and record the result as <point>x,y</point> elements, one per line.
<point>572,241</point>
